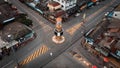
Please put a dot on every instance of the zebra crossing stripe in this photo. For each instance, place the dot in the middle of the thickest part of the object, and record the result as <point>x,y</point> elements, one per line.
<point>43,49</point>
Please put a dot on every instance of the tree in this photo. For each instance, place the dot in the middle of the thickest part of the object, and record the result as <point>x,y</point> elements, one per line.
<point>27,22</point>
<point>22,18</point>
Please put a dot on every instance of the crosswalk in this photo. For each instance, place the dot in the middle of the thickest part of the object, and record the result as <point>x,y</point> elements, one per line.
<point>43,49</point>
<point>72,30</point>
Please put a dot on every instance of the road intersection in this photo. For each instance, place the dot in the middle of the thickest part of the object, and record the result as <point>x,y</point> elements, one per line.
<point>44,30</point>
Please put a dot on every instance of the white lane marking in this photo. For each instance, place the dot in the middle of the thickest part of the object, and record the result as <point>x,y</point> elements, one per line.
<point>7,64</point>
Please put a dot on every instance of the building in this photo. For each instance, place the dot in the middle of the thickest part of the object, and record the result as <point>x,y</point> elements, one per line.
<point>82,4</point>
<point>114,13</point>
<point>104,39</point>
<point>53,6</point>
<point>66,4</point>
<point>113,35</point>
<point>7,13</point>
<point>14,35</point>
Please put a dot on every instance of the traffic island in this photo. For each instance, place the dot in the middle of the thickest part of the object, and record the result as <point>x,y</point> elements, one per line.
<point>58,40</point>
<point>58,32</point>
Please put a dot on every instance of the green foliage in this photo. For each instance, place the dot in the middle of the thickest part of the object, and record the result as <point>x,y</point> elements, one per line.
<point>22,19</point>
<point>27,22</point>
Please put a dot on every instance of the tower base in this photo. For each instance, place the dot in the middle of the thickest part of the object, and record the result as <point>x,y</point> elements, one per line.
<point>58,41</point>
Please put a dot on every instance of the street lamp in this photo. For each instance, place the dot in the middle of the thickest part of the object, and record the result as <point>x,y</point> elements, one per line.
<point>83,21</point>
<point>84,16</point>
<point>10,39</point>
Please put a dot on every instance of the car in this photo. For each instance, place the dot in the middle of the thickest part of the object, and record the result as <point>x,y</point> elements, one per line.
<point>106,13</point>
<point>109,14</point>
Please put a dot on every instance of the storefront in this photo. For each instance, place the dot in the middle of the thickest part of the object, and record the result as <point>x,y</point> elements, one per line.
<point>103,51</point>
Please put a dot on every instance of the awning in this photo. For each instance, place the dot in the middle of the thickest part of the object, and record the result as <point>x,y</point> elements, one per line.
<point>106,59</point>
<point>12,44</point>
<point>102,51</point>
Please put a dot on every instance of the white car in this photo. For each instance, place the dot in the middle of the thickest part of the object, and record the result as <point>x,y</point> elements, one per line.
<point>106,13</point>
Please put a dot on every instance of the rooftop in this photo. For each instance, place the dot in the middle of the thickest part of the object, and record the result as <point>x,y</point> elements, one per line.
<point>118,45</point>
<point>17,31</point>
<point>2,1</point>
<point>6,12</point>
<point>117,8</point>
<point>114,23</point>
<point>54,4</point>
<point>99,29</point>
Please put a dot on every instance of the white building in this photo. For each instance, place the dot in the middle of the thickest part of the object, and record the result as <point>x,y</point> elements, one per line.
<point>66,4</point>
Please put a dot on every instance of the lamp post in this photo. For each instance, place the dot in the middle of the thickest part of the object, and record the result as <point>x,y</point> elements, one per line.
<point>84,16</point>
<point>10,37</point>
<point>83,21</point>
<point>58,31</point>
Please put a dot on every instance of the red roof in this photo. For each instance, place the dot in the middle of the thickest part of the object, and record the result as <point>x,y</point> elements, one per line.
<point>106,59</point>
<point>94,0</point>
<point>59,13</point>
<point>54,4</point>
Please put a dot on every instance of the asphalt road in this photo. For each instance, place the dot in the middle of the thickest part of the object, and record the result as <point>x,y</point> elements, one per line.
<point>44,30</point>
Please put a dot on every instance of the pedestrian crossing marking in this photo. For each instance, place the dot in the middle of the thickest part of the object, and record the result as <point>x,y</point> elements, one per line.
<point>42,50</point>
<point>72,30</point>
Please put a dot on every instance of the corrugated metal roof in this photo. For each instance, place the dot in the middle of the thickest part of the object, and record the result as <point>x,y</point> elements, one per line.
<point>15,29</point>
<point>117,8</point>
<point>99,29</point>
<point>118,44</point>
<point>114,23</point>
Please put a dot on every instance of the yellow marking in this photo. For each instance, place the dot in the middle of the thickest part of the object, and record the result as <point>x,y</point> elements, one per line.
<point>38,52</point>
<point>72,30</point>
<point>42,50</point>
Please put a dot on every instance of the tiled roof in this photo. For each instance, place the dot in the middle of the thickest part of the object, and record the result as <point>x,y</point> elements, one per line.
<point>54,4</point>
<point>114,23</point>
<point>59,13</point>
